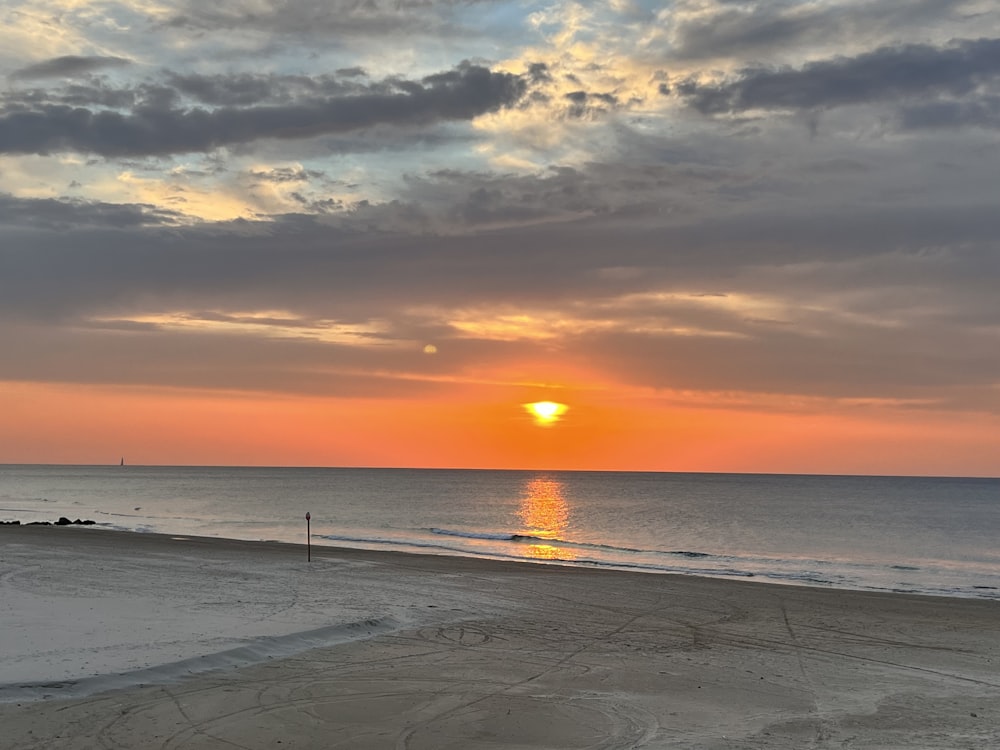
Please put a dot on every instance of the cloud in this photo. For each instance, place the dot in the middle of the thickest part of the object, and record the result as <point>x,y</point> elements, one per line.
<point>281,175</point>
<point>779,30</point>
<point>245,89</point>
<point>355,262</point>
<point>733,31</point>
<point>586,104</point>
<point>82,94</point>
<point>159,128</point>
<point>887,73</point>
<point>347,19</point>
<point>62,214</point>
<point>885,302</point>
<point>984,113</point>
<point>68,66</point>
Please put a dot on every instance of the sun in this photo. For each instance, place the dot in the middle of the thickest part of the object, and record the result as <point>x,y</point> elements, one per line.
<point>546,413</point>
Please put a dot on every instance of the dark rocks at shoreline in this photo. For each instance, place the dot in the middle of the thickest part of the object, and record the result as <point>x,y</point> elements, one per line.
<point>63,521</point>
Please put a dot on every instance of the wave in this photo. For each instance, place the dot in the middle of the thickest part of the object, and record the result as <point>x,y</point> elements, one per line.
<point>481,535</point>
<point>557,542</point>
<point>820,573</point>
<point>569,560</point>
<point>588,554</point>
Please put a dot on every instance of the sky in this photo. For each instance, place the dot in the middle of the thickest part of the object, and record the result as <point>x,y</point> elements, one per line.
<point>724,235</point>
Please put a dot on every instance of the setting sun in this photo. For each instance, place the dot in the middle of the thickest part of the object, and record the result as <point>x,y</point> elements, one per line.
<point>546,412</point>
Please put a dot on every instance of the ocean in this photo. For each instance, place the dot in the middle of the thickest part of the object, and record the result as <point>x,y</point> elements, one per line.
<point>922,535</point>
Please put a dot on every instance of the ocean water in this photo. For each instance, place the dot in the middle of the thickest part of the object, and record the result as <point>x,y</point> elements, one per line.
<point>935,536</point>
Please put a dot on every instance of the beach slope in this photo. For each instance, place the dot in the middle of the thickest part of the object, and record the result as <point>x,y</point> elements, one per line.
<point>117,640</point>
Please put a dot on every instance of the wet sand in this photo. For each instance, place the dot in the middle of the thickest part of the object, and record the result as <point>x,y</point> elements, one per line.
<point>118,640</point>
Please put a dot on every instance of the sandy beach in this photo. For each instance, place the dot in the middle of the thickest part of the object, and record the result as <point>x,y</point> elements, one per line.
<point>119,640</point>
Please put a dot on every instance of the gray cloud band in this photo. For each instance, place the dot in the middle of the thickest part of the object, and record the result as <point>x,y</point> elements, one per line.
<point>888,73</point>
<point>158,129</point>
<point>68,66</point>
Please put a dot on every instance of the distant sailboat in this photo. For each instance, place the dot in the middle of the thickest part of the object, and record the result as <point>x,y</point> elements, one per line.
<point>123,461</point>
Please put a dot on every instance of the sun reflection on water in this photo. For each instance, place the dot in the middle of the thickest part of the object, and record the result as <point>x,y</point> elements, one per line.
<point>545,514</point>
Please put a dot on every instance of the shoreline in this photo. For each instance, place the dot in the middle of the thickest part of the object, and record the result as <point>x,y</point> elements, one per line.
<point>321,543</point>
<point>327,550</point>
<point>391,649</point>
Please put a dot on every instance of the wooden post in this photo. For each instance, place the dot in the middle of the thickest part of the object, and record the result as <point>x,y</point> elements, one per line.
<point>309,555</point>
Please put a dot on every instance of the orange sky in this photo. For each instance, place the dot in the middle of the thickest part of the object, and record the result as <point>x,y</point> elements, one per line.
<point>600,431</point>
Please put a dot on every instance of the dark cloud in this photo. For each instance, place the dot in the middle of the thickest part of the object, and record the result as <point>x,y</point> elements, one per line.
<point>765,30</point>
<point>286,174</point>
<point>95,93</point>
<point>68,66</point>
<point>159,129</point>
<point>984,113</point>
<point>232,90</point>
<point>221,90</point>
<point>588,104</point>
<point>539,72</point>
<point>252,88</point>
<point>356,261</point>
<point>887,73</point>
<point>62,214</point>
<point>737,31</point>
